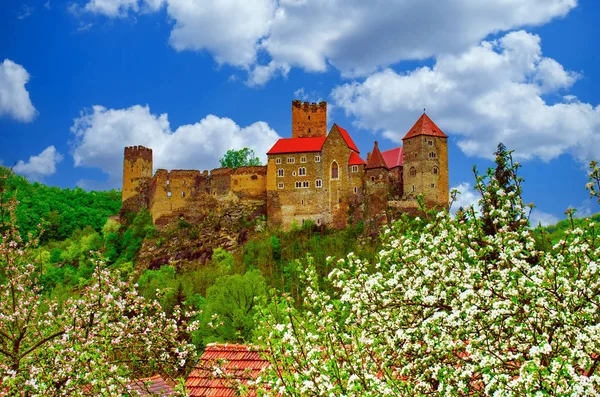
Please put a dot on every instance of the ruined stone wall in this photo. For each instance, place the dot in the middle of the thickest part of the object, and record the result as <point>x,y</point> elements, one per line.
<point>426,169</point>
<point>249,182</point>
<point>309,119</point>
<point>220,181</point>
<point>294,196</point>
<point>396,189</point>
<point>137,172</point>
<point>172,191</point>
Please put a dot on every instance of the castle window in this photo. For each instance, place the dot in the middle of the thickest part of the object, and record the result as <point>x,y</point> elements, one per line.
<point>291,160</point>
<point>355,168</point>
<point>168,182</point>
<point>280,172</point>
<point>413,189</point>
<point>309,117</point>
<point>318,183</point>
<point>413,171</point>
<point>305,184</point>
<point>303,159</point>
<point>355,190</point>
<point>309,130</point>
<point>415,155</point>
<point>254,177</point>
<point>334,171</point>
<point>432,155</point>
<point>298,184</point>
<point>280,185</point>
<point>430,142</point>
<point>302,171</point>
<point>169,194</point>
<point>435,170</point>
<point>182,194</point>
<point>278,161</point>
<point>183,183</point>
<point>317,159</point>
<point>303,204</point>
<point>433,185</point>
<point>372,179</point>
<point>293,173</point>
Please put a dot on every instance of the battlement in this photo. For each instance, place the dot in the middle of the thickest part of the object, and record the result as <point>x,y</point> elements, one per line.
<point>136,152</point>
<point>306,106</point>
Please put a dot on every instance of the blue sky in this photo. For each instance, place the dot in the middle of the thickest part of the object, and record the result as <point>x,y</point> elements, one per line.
<point>79,80</point>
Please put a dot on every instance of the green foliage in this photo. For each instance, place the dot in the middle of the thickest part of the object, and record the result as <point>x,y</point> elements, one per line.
<point>59,211</point>
<point>239,158</point>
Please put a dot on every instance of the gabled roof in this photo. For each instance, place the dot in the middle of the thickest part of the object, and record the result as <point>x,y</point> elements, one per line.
<point>347,138</point>
<point>297,145</point>
<point>375,160</point>
<point>153,386</point>
<point>393,157</point>
<point>222,368</point>
<point>424,126</point>
<point>355,159</point>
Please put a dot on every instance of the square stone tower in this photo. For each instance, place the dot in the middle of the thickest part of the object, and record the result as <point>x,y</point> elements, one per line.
<point>309,120</point>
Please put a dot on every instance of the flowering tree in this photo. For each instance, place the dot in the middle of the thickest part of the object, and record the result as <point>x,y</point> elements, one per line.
<point>460,306</point>
<point>89,345</point>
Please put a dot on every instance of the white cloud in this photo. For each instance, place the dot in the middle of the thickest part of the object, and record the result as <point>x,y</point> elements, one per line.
<point>355,36</point>
<point>536,217</point>
<point>14,98</point>
<point>40,166</point>
<point>101,135</point>
<point>467,197</point>
<point>491,93</point>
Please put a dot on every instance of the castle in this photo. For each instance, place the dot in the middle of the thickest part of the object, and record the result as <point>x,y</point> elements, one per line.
<point>311,176</point>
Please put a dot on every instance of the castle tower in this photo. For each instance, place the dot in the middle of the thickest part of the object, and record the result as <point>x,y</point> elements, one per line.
<point>376,184</point>
<point>309,120</point>
<point>426,162</point>
<point>137,173</point>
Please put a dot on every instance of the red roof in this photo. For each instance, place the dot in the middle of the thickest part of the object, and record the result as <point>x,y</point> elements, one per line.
<point>375,160</point>
<point>223,367</point>
<point>424,126</point>
<point>347,138</point>
<point>355,159</point>
<point>297,145</point>
<point>154,386</point>
<point>393,157</point>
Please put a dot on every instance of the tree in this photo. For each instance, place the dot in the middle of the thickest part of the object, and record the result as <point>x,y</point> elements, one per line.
<point>239,158</point>
<point>91,344</point>
<point>448,309</point>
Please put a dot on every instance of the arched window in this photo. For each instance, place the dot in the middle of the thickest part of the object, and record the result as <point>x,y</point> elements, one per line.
<point>435,170</point>
<point>432,155</point>
<point>334,170</point>
<point>413,171</point>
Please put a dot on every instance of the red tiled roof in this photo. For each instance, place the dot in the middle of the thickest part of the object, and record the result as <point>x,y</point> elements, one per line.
<point>223,367</point>
<point>153,386</point>
<point>347,138</point>
<point>375,160</point>
<point>393,157</point>
<point>297,145</point>
<point>424,126</point>
<point>355,159</point>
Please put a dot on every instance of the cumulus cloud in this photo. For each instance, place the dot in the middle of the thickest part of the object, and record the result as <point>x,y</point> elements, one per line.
<point>493,92</point>
<point>40,166</point>
<point>14,97</point>
<point>101,134</point>
<point>355,36</point>
<point>468,197</point>
<point>539,217</point>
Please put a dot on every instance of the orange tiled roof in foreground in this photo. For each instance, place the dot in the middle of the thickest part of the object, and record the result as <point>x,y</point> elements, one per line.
<point>222,368</point>
<point>153,386</point>
<point>393,157</point>
<point>424,126</point>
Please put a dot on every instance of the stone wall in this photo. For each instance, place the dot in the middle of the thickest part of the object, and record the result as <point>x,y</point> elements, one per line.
<point>137,172</point>
<point>309,119</point>
<point>336,190</point>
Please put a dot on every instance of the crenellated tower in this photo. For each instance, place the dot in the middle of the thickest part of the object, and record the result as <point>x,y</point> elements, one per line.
<point>137,173</point>
<point>309,120</point>
<point>425,156</point>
